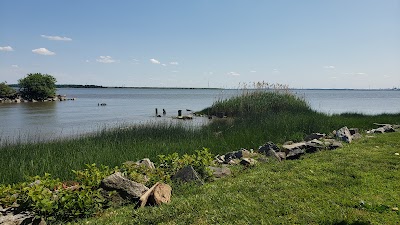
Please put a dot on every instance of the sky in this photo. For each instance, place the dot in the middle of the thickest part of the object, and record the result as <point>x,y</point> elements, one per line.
<point>204,43</point>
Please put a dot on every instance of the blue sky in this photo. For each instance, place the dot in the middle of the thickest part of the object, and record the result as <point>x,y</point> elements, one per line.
<point>304,44</point>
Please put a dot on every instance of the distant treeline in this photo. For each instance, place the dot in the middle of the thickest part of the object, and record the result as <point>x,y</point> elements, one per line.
<point>68,86</point>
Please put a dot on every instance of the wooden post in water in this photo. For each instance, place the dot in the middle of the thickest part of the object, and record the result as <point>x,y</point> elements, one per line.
<point>164,112</point>
<point>179,113</point>
<point>156,112</point>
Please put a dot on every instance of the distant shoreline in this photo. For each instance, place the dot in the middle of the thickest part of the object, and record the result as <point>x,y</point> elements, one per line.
<point>198,88</point>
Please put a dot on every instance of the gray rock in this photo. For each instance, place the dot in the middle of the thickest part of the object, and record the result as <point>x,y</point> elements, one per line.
<point>125,188</point>
<point>268,146</point>
<point>220,172</point>
<point>11,217</point>
<point>353,131</point>
<point>343,134</point>
<point>272,153</point>
<point>299,145</point>
<point>356,136</point>
<point>295,153</point>
<point>188,174</point>
<point>147,163</point>
<point>314,136</point>
<point>333,144</point>
<point>248,162</point>
<point>281,155</point>
<point>314,145</point>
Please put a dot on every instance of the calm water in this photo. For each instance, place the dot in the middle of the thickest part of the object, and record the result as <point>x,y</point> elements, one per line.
<point>49,120</point>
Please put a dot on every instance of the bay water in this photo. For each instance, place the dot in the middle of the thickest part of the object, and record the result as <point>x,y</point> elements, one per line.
<point>41,121</point>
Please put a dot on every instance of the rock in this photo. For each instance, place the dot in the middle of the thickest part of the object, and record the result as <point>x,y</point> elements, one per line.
<point>188,174</point>
<point>12,217</point>
<point>314,145</point>
<point>396,153</point>
<point>125,188</point>
<point>295,150</point>
<point>314,136</point>
<point>295,154</point>
<point>356,136</point>
<point>389,128</point>
<point>219,172</point>
<point>281,155</point>
<point>248,162</point>
<point>147,163</point>
<point>272,153</point>
<point>268,146</point>
<point>333,144</point>
<point>300,145</point>
<point>343,134</point>
<point>353,131</point>
<point>220,159</point>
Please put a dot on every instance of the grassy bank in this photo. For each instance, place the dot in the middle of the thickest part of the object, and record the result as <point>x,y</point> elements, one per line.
<point>357,184</point>
<point>259,117</point>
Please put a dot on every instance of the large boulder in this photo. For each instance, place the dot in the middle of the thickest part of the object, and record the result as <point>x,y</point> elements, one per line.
<point>126,189</point>
<point>343,134</point>
<point>188,174</point>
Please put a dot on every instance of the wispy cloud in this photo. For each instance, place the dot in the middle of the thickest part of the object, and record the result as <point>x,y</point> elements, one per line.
<point>6,49</point>
<point>329,67</point>
<point>56,38</point>
<point>233,74</point>
<point>14,66</point>
<point>43,51</point>
<point>105,59</point>
<point>253,71</point>
<point>174,63</point>
<point>163,64</point>
<point>155,61</point>
<point>275,71</point>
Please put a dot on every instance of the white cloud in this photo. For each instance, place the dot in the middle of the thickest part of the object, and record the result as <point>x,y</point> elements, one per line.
<point>155,61</point>
<point>43,51</point>
<point>56,38</point>
<point>87,60</point>
<point>14,66</point>
<point>333,77</point>
<point>275,71</point>
<point>6,49</point>
<point>174,71</point>
<point>329,67</point>
<point>253,71</point>
<point>105,59</point>
<point>174,63</point>
<point>163,64</point>
<point>233,74</point>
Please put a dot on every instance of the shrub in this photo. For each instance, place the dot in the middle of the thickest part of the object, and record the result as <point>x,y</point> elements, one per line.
<point>6,91</point>
<point>37,86</point>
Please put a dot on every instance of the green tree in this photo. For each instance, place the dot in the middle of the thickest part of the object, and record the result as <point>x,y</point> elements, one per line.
<point>37,86</point>
<point>6,91</point>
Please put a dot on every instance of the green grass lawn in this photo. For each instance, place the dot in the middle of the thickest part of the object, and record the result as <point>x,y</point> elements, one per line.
<point>357,184</point>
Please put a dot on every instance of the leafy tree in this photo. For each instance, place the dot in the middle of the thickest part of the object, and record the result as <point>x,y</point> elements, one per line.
<point>37,86</point>
<point>6,91</point>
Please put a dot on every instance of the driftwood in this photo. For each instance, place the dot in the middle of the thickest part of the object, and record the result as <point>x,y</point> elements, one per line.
<point>156,195</point>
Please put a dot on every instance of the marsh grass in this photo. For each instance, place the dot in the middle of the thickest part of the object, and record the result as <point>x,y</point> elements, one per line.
<point>264,113</point>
